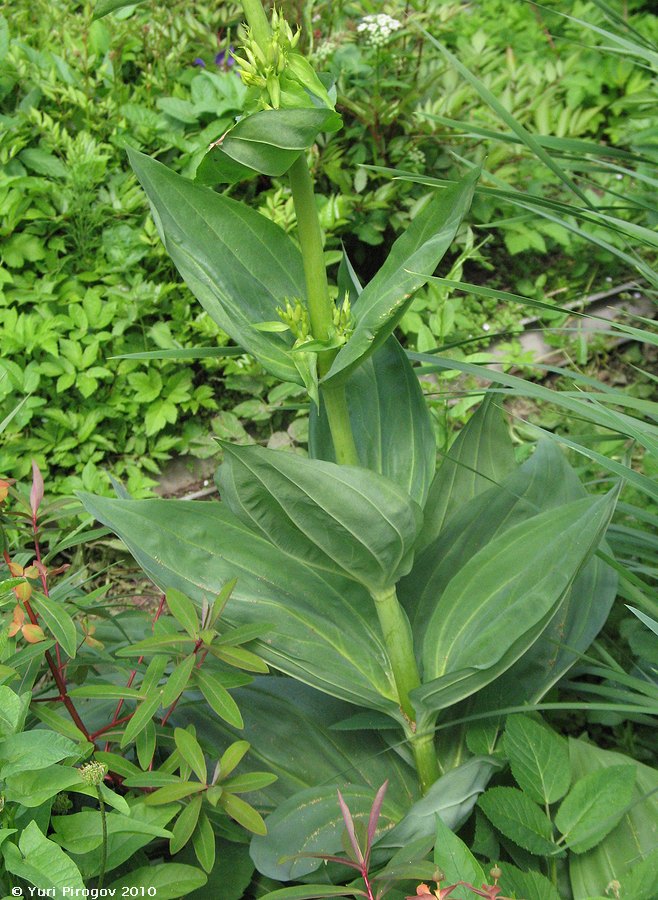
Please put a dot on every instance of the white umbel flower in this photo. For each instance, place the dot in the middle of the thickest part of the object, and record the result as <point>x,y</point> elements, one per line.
<point>377,29</point>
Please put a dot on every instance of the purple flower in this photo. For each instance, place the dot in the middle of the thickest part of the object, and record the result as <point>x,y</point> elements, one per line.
<point>224,58</point>
<point>199,62</point>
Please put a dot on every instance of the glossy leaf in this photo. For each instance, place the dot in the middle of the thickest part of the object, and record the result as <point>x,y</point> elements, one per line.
<point>186,824</point>
<point>266,142</point>
<point>289,729</point>
<point>452,797</point>
<point>323,629</point>
<point>189,749</point>
<point>390,422</point>
<point>178,680</point>
<point>413,257</point>
<point>327,515</point>
<point>58,622</point>
<point>240,265</point>
<point>311,822</point>
<point>243,813</point>
<point>518,818</point>
<point>496,606</point>
<point>142,716</point>
<point>543,482</point>
<point>594,805</point>
<point>42,863</point>
<point>203,840</point>
<point>453,858</point>
<point>218,697</point>
<point>482,455</point>
<point>183,610</point>
<point>170,880</point>
<point>539,759</point>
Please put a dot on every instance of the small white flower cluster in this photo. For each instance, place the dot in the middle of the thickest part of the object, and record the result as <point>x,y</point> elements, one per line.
<point>377,29</point>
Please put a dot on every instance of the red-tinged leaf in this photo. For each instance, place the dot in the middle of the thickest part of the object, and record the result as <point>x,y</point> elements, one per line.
<point>374,816</point>
<point>33,634</point>
<point>36,494</point>
<point>349,825</point>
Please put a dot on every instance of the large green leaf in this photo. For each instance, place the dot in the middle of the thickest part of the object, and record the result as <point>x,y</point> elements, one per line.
<point>544,482</point>
<point>323,514</point>
<point>311,822</point>
<point>497,604</point>
<point>324,628</point>
<point>481,456</point>
<point>390,422</point>
<point>240,265</point>
<point>266,142</point>
<point>413,257</point>
<point>515,815</point>
<point>594,805</point>
<point>42,863</point>
<point>290,730</point>
<point>452,797</point>
<point>539,759</point>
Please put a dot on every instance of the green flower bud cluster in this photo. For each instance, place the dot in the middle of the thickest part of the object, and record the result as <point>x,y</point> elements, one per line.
<point>295,316</point>
<point>278,75</point>
<point>343,319</point>
<point>93,773</point>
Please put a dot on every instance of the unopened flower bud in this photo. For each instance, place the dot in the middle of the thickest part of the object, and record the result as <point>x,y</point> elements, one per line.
<point>93,773</point>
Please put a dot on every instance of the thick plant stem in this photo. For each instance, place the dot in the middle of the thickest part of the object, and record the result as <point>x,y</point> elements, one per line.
<point>310,240</point>
<point>320,307</point>
<point>399,644</point>
<point>257,21</point>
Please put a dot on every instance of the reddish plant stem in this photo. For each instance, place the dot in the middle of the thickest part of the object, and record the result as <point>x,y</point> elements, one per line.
<point>59,681</point>
<point>111,725</point>
<point>166,716</point>
<point>44,585</point>
<point>133,674</point>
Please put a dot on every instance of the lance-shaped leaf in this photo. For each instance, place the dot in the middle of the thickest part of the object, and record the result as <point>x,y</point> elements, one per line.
<point>323,629</point>
<point>238,264</point>
<point>267,142</point>
<point>324,514</point>
<point>413,257</point>
<point>544,481</point>
<point>481,456</point>
<point>499,602</point>
<point>390,422</point>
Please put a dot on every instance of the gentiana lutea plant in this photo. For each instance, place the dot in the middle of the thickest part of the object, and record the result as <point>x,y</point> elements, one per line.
<point>397,596</point>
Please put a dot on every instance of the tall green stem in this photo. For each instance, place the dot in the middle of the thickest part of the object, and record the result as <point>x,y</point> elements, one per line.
<point>399,644</point>
<point>257,21</point>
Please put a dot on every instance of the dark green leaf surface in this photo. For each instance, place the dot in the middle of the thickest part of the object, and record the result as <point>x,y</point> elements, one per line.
<point>390,422</point>
<point>413,257</point>
<point>240,265</point>
<point>171,881</point>
<point>497,604</point>
<point>311,822</point>
<point>266,142</point>
<point>288,727</point>
<point>218,697</point>
<point>481,456</point>
<point>58,622</point>
<point>323,628</point>
<point>327,515</point>
<point>539,759</point>
<point>454,859</point>
<point>452,797</point>
<point>518,818</point>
